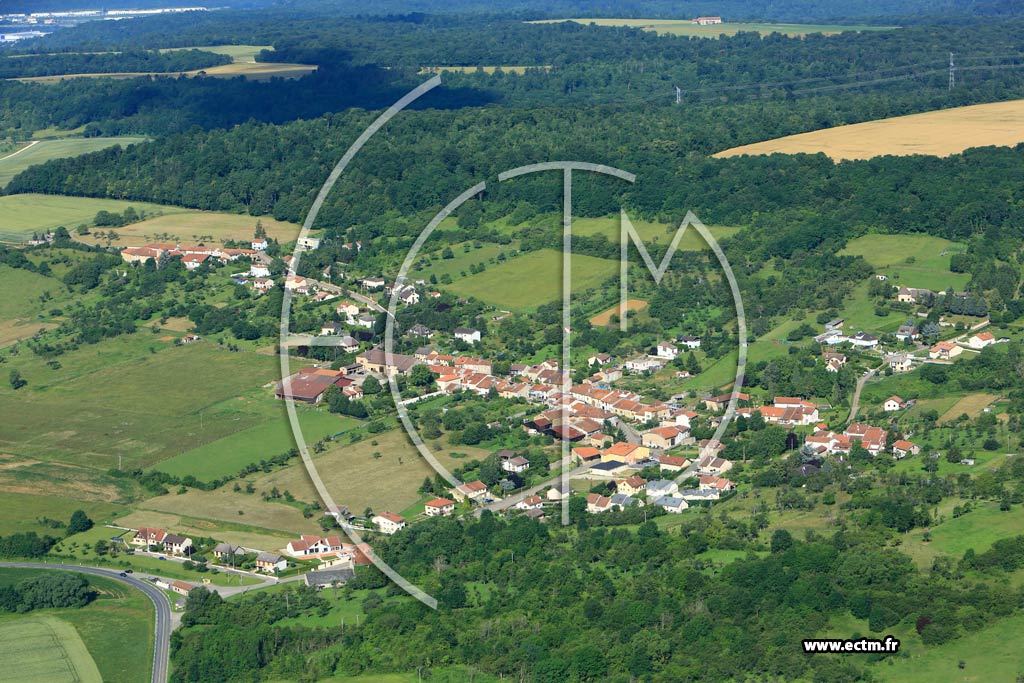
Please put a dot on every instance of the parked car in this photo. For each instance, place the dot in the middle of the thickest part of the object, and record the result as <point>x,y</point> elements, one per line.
<point>123,574</point>
<point>161,557</point>
<point>129,571</point>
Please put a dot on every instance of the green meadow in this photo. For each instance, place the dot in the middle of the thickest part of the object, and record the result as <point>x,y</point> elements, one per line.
<point>41,151</point>
<point>132,401</point>
<point>527,281</point>
<point>23,214</point>
<point>271,437</point>
<point>110,639</point>
<point>911,260</point>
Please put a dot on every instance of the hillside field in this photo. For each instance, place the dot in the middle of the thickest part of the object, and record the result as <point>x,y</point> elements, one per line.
<point>939,133</point>
<point>537,278</point>
<point>685,27</point>
<point>911,260</point>
<point>23,214</point>
<point>46,649</point>
<point>40,151</point>
<point>188,225</point>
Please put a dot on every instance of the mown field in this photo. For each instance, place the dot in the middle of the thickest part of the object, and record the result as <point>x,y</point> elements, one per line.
<point>239,53</point>
<point>21,512</point>
<point>135,398</point>
<point>40,151</point>
<point>535,278</point>
<point>186,225</point>
<point>911,260</point>
<point>23,214</point>
<point>227,456</point>
<point>685,27</point>
<point>109,640</point>
<point>940,133</point>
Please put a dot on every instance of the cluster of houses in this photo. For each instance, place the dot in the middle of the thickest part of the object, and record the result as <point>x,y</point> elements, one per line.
<point>664,493</point>
<point>872,439</point>
<point>192,256</point>
<point>786,411</point>
<point>309,384</point>
<point>158,540</point>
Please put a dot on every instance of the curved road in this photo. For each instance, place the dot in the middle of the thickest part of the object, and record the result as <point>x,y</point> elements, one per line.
<point>855,403</point>
<point>162,635</point>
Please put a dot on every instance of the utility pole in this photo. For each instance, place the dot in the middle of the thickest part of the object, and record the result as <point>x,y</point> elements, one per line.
<point>952,72</point>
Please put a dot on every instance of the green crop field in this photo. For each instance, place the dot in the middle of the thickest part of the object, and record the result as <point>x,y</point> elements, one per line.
<point>46,649</point>
<point>535,278</point>
<point>185,225</point>
<point>23,214</point>
<point>229,455</point>
<point>238,53</point>
<point>685,27</point>
<point>109,640</point>
<point>133,400</point>
<point>911,260</point>
<point>40,151</point>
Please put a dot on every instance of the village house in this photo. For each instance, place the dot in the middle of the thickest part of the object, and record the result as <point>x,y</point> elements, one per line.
<point>714,483</point>
<point>270,563</point>
<point>530,503</point>
<point>258,270</point>
<point>467,334</point>
<point>689,342</point>
<point>177,545</point>
<point>628,453</point>
<point>227,552</point>
<point>707,21</point>
<point>372,283</point>
<point>672,463</point>
<point>309,384</point>
<point>644,364</point>
<point>871,438</point>
<point>558,491</point>
<point>672,504</point>
<point>149,537</point>
<point>180,587</point>
<point>331,329</point>
<point>439,507</point>
<point>910,295</point>
<point>307,243</point>
<point>374,361</point>
<point>902,448</point>
<point>665,438</point>
<point>262,284</point>
<point>713,465</point>
<point>347,309</point>
<point>599,359</point>
<point>597,503</point>
<point>893,403</point>
<point>516,464</point>
<point>981,340</point>
<point>309,546</point>
<point>660,488</point>
<point>624,500</point>
<point>863,340</point>
<point>900,363</point>
<point>327,578</point>
<point>908,332</point>
<point>142,254</point>
<point>944,351</point>
<point>388,522</point>
<point>720,402</point>
<point>470,490</point>
<point>666,350</point>
<point>259,244</point>
<point>631,486</point>
<point>193,261</point>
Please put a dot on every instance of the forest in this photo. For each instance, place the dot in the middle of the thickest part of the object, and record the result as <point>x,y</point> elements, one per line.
<point>28,65</point>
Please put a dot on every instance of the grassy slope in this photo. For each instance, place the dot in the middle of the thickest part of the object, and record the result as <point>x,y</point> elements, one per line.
<point>23,214</point>
<point>930,256</point>
<point>45,150</point>
<point>537,277</point>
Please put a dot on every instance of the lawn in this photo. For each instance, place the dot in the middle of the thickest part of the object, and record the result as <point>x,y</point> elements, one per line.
<point>229,455</point>
<point>44,150</point>
<point>23,214</point>
<point>532,279</point>
<point>685,27</point>
<point>116,629</point>
<point>110,412</point>
<point>859,313</point>
<point>234,530</point>
<point>928,266</point>
<point>194,226</point>
<point>941,133</point>
<point>20,512</point>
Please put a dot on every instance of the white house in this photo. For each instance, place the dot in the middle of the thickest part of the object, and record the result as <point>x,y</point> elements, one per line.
<point>660,488</point>
<point>981,340</point>
<point>689,342</point>
<point>307,243</point>
<point>259,243</point>
<point>672,504</point>
<point>666,350</point>
<point>893,403</point>
<point>388,522</point>
<point>439,507</point>
<point>468,335</point>
<point>259,270</point>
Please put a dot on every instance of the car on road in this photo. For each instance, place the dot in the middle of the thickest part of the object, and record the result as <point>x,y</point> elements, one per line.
<point>129,571</point>
<point>122,574</point>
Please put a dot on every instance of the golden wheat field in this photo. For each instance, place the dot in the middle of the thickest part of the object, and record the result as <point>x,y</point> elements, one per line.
<point>939,133</point>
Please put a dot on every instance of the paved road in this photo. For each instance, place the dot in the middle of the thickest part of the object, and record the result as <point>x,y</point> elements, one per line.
<point>855,403</point>
<point>632,435</point>
<point>162,634</point>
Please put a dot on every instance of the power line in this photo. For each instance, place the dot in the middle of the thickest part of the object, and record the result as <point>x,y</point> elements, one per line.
<point>952,72</point>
